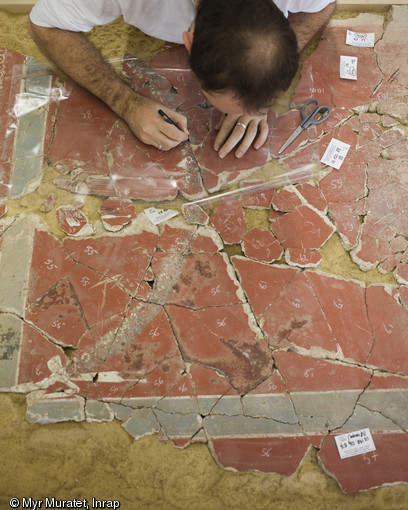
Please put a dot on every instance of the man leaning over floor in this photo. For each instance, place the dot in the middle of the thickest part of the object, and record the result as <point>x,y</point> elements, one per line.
<point>243,53</point>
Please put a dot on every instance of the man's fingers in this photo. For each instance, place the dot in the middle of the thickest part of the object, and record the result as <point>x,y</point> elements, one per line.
<point>263,130</point>
<point>220,122</point>
<point>247,141</point>
<point>181,121</point>
<point>163,130</point>
<point>173,133</point>
<point>173,126</point>
<point>242,130</point>
<point>164,143</point>
<point>173,119</point>
<point>235,137</point>
<point>159,140</point>
<point>250,135</point>
<point>226,129</point>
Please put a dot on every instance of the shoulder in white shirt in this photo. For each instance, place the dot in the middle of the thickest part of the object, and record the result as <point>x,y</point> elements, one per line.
<point>163,19</point>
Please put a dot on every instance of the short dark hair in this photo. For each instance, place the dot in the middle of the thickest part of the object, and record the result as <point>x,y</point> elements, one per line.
<point>245,47</point>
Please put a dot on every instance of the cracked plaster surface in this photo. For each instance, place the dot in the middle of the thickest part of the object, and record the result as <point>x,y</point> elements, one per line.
<point>258,355</point>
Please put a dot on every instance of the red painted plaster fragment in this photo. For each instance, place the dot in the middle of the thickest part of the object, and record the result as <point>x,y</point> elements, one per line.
<point>224,341</point>
<point>343,304</point>
<point>100,297</point>
<point>388,464</point>
<point>313,196</point>
<point>286,200</point>
<point>73,222</point>
<point>116,213</point>
<point>345,185</point>
<point>302,257</point>
<point>304,373</point>
<point>174,239</point>
<point>389,321</point>
<point>261,245</point>
<point>295,317</point>
<point>302,228</point>
<point>258,198</point>
<point>270,454</point>
<point>125,259</point>
<point>194,214</point>
<point>262,283</point>
<point>194,280</point>
<point>346,217</point>
<point>205,240</point>
<point>36,352</point>
<point>228,219</point>
<point>49,202</point>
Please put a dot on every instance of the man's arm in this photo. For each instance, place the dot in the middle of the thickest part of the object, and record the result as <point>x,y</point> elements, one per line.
<point>306,25</point>
<point>79,59</point>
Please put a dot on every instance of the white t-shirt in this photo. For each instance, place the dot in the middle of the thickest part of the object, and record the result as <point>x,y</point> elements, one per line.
<point>287,6</point>
<point>164,19</point>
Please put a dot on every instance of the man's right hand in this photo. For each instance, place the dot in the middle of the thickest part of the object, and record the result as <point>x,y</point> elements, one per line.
<point>80,60</point>
<point>145,122</point>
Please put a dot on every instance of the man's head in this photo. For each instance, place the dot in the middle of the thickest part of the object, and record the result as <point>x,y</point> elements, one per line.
<point>243,52</point>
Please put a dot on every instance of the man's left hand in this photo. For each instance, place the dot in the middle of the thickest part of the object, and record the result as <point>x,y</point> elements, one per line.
<point>241,130</point>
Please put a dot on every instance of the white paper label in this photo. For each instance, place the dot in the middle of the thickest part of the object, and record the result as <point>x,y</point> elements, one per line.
<point>354,443</point>
<point>348,68</point>
<point>335,153</point>
<point>157,216</point>
<point>361,40</point>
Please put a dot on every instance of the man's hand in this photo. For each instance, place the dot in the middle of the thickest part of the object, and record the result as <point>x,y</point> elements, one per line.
<point>78,58</point>
<point>243,130</point>
<point>145,122</point>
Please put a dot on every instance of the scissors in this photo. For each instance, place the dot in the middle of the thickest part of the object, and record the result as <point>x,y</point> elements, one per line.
<point>316,116</point>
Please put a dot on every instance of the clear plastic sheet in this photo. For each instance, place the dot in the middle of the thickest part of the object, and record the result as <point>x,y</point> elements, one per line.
<point>54,121</point>
<point>26,124</point>
<point>193,211</point>
<point>38,88</point>
<point>296,177</point>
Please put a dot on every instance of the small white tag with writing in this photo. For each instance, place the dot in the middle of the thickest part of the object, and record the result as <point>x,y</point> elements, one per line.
<point>361,40</point>
<point>335,153</point>
<point>157,216</point>
<point>348,67</point>
<point>354,443</point>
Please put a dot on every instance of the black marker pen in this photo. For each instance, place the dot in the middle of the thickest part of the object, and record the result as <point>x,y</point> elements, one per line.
<point>166,118</point>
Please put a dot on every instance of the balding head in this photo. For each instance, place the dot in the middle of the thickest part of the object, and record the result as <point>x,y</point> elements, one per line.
<point>244,47</point>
